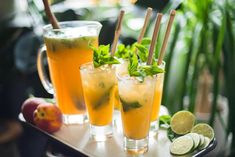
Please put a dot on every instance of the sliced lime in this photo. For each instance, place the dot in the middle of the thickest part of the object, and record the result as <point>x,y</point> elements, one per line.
<point>202,139</point>
<point>205,143</point>
<point>196,139</point>
<point>182,122</point>
<point>204,129</point>
<point>182,145</point>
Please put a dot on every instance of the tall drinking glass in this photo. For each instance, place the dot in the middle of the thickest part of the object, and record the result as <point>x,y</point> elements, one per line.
<point>66,49</point>
<point>157,102</point>
<point>136,99</point>
<point>98,84</point>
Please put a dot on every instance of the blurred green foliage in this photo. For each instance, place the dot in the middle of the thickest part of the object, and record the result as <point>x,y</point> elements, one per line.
<point>202,38</point>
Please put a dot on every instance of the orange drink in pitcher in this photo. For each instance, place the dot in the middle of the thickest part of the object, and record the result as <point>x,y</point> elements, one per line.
<point>66,49</point>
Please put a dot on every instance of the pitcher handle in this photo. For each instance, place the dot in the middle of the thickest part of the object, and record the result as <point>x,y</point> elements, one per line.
<point>42,72</point>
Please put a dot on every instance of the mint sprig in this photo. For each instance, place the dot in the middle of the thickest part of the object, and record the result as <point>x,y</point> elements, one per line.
<point>142,49</point>
<point>164,121</point>
<point>151,70</point>
<point>101,56</point>
<point>142,52</point>
<point>124,51</point>
<point>146,41</point>
<point>141,71</point>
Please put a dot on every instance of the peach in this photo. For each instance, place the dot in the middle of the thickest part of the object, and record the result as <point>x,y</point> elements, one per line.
<point>29,106</point>
<point>48,117</point>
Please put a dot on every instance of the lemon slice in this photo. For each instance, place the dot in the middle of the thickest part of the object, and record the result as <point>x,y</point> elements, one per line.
<point>182,145</point>
<point>196,139</point>
<point>182,122</point>
<point>204,129</point>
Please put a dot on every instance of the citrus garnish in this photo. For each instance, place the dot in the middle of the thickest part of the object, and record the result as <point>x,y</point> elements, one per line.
<point>204,129</point>
<point>205,143</point>
<point>182,122</point>
<point>182,145</point>
<point>196,139</point>
<point>202,139</point>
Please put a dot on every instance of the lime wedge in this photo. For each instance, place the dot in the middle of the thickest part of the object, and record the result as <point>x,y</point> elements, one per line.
<point>196,139</point>
<point>182,145</point>
<point>205,144</point>
<point>204,129</point>
<point>182,122</point>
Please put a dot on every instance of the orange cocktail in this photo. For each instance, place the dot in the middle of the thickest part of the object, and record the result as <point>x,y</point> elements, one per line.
<point>136,99</point>
<point>64,70</point>
<point>157,97</point>
<point>98,84</point>
<point>67,48</point>
<point>157,101</point>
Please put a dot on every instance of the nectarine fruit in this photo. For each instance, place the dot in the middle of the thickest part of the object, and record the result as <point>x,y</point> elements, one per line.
<point>29,106</point>
<point>48,117</point>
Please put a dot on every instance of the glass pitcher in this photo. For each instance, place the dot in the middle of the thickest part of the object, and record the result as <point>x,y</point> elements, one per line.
<point>66,49</point>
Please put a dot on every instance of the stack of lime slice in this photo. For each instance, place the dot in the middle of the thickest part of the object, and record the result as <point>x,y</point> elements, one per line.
<point>192,138</point>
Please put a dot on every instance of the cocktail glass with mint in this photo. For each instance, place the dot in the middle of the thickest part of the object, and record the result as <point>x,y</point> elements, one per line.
<point>98,81</point>
<point>136,91</point>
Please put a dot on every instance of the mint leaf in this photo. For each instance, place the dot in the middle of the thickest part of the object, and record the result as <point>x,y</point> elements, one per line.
<point>123,51</point>
<point>164,121</point>
<point>150,70</point>
<point>171,135</point>
<point>103,99</point>
<point>101,56</point>
<point>142,52</point>
<point>133,65</point>
<point>146,41</point>
<point>141,71</point>
<point>129,105</point>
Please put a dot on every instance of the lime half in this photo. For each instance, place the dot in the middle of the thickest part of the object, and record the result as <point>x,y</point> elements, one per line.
<point>204,129</point>
<point>182,122</point>
<point>182,145</point>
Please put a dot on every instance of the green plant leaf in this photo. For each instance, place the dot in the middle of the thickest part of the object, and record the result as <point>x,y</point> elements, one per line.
<point>142,52</point>
<point>170,134</point>
<point>146,41</point>
<point>150,70</point>
<point>129,105</point>
<point>123,51</point>
<point>103,99</point>
<point>102,56</point>
<point>164,121</point>
<point>141,71</point>
<point>133,65</point>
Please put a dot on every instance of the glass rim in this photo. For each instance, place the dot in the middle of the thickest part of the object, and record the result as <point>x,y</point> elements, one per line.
<point>163,64</point>
<point>73,24</point>
<point>86,66</point>
<point>132,78</point>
